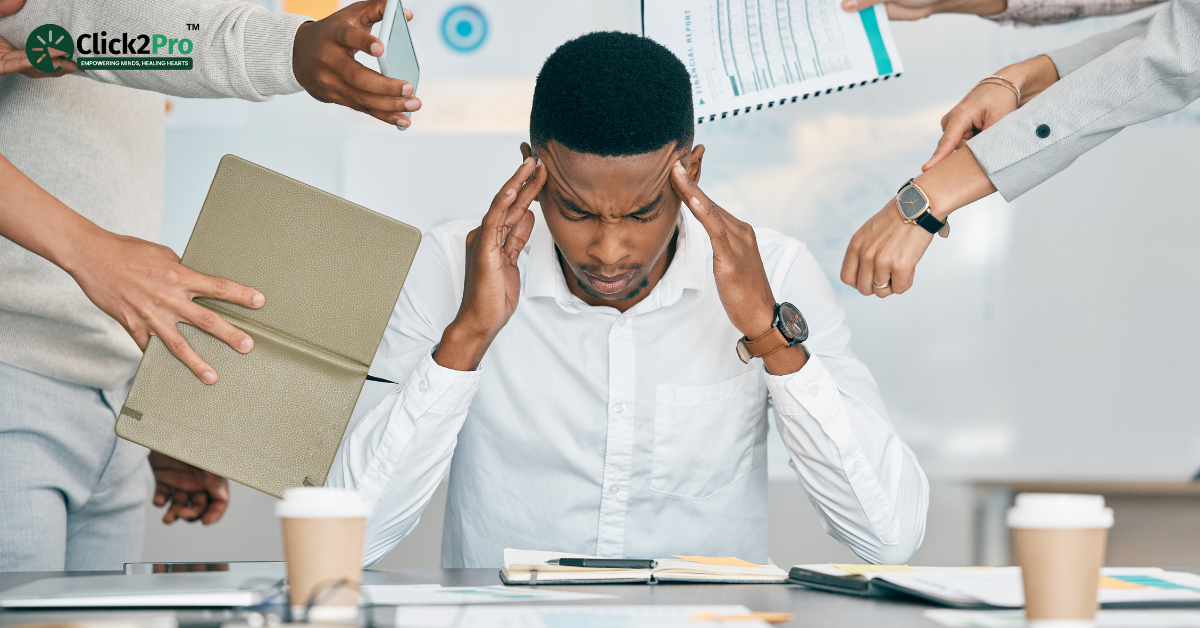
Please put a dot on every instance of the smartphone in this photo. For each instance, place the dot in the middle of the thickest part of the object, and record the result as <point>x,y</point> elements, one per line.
<point>399,60</point>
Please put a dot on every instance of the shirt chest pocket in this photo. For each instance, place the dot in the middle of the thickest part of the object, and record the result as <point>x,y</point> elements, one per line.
<point>704,435</point>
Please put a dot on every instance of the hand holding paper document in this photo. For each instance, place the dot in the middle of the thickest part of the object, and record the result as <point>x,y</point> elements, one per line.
<point>744,56</point>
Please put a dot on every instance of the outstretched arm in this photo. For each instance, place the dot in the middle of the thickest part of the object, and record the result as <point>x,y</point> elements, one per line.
<point>239,50</point>
<point>1026,12</point>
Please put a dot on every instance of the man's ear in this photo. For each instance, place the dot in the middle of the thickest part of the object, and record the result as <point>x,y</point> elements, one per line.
<point>694,159</point>
<point>8,7</point>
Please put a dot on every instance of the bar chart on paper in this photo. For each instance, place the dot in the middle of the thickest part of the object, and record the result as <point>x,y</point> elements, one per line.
<point>744,55</point>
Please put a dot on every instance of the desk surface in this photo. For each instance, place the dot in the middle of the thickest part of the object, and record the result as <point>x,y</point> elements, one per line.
<point>813,609</point>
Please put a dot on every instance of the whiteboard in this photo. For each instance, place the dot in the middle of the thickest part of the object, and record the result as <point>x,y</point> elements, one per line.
<point>1050,338</point>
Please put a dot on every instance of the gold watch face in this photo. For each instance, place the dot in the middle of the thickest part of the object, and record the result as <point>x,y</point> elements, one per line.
<point>912,202</point>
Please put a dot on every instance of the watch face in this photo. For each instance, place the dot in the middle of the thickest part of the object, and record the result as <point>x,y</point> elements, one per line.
<point>912,202</point>
<point>793,323</point>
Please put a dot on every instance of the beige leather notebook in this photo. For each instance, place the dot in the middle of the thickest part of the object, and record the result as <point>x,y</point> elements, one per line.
<point>331,272</point>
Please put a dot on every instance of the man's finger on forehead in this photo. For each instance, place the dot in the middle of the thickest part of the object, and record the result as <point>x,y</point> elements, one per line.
<point>514,182</point>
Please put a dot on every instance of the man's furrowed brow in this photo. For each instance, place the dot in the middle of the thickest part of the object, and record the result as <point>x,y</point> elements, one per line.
<point>645,209</point>
<point>572,206</point>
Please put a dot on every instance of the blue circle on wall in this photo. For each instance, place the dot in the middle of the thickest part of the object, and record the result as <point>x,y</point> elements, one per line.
<point>464,28</point>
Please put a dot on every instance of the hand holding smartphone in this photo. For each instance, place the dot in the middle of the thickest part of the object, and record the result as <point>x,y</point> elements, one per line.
<point>399,59</point>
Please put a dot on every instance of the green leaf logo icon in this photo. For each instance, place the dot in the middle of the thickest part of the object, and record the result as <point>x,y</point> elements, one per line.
<point>44,44</point>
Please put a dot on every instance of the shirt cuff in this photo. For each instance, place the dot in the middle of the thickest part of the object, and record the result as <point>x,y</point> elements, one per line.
<point>812,387</point>
<point>435,389</point>
<point>269,38</point>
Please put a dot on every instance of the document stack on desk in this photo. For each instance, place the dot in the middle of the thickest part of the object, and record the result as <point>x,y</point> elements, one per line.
<point>532,567</point>
<point>994,588</point>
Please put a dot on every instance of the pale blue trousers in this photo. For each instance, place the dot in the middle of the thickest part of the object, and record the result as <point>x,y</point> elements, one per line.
<point>72,494</point>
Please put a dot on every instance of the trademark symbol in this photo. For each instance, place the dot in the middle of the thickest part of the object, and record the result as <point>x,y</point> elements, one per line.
<point>193,27</point>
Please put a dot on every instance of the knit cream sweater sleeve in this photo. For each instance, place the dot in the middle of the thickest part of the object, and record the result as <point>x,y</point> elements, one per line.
<point>1040,12</point>
<point>240,50</point>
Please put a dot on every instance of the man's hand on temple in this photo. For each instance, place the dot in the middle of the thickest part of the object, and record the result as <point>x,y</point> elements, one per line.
<point>194,494</point>
<point>741,278</point>
<point>493,283</point>
<point>323,62</point>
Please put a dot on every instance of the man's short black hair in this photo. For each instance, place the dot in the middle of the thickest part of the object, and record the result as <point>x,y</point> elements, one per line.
<point>612,94</point>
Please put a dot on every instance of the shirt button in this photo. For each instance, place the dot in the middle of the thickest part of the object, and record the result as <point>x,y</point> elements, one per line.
<point>1043,131</point>
<point>814,390</point>
<point>423,386</point>
<point>614,489</point>
<point>622,321</point>
<point>619,408</point>
<point>857,465</point>
<point>382,466</point>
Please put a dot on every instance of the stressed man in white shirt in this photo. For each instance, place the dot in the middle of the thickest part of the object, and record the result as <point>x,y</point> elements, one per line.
<point>580,375</point>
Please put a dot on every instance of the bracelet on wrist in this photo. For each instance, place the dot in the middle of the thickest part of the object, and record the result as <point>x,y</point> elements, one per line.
<point>994,80</point>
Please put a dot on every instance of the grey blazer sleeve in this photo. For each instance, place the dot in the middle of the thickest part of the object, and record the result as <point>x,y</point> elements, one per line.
<point>241,50</point>
<point>1147,76</point>
<point>1038,12</point>
<point>1067,60</point>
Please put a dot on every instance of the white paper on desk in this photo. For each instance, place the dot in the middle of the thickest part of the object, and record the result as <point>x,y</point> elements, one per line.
<point>1002,586</point>
<point>434,594</point>
<point>648,616</point>
<point>1104,619</point>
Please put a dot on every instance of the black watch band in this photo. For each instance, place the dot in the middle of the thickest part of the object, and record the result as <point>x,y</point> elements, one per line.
<point>931,224</point>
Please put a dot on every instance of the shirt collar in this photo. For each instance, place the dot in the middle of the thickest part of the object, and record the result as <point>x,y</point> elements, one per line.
<point>689,268</point>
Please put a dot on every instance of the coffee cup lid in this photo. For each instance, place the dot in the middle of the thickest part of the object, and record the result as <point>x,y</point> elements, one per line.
<point>1059,511</point>
<point>322,503</point>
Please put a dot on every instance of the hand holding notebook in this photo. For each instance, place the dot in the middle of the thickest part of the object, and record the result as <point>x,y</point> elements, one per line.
<point>331,272</point>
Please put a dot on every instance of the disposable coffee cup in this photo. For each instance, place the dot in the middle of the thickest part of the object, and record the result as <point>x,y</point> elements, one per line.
<point>1059,541</point>
<point>323,530</point>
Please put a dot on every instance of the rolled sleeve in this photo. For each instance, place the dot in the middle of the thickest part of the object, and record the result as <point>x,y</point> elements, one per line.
<point>269,42</point>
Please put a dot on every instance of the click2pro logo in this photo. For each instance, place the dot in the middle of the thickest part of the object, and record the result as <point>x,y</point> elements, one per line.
<point>44,42</point>
<point>124,52</point>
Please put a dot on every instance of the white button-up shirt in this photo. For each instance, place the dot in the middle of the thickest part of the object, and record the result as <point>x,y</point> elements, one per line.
<point>637,434</point>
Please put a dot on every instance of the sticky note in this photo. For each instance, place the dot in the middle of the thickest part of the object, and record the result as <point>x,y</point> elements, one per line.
<point>727,561</point>
<point>1109,582</point>
<point>319,9</point>
<point>858,570</point>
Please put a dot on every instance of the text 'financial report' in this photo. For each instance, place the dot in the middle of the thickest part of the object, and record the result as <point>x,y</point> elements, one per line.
<point>746,55</point>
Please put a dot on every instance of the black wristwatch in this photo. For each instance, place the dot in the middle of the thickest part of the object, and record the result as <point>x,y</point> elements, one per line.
<point>914,207</point>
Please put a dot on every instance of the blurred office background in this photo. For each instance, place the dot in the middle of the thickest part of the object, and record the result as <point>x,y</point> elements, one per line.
<point>1050,340</point>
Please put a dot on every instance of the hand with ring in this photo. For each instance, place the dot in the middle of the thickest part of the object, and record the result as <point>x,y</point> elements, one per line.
<point>882,257</point>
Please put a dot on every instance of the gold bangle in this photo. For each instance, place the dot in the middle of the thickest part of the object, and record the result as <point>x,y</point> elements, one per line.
<point>991,80</point>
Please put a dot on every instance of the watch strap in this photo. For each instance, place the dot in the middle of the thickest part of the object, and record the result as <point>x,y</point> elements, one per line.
<point>931,224</point>
<point>766,344</point>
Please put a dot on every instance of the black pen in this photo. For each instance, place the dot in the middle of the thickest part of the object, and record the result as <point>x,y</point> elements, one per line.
<point>604,563</point>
